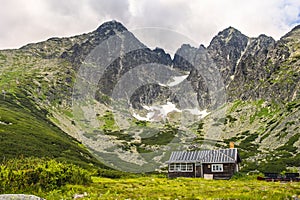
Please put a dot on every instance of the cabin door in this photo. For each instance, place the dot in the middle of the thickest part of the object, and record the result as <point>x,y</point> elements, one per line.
<point>198,170</point>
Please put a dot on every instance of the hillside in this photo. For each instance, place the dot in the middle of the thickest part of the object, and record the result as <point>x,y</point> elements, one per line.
<point>91,86</point>
<point>26,132</point>
<point>25,128</point>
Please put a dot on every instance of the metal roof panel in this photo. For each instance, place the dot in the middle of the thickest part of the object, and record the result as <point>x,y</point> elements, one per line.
<point>205,156</point>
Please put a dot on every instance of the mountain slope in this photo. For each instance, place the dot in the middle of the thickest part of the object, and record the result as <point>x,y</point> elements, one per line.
<point>25,131</point>
<point>252,94</point>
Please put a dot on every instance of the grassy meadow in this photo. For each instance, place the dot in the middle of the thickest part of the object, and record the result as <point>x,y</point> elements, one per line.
<point>180,188</point>
<point>51,179</point>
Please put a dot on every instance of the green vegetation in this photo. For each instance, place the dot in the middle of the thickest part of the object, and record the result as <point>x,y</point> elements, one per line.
<point>108,121</point>
<point>163,137</point>
<point>141,123</point>
<point>289,146</point>
<point>32,174</point>
<point>291,106</point>
<point>103,98</point>
<point>235,106</point>
<point>265,132</point>
<point>26,131</point>
<point>50,179</point>
<point>181,188</point>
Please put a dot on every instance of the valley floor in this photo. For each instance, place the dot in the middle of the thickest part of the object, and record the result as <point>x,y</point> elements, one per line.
<point>180,188</point>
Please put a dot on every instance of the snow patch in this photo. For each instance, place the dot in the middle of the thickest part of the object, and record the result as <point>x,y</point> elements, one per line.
<point>242,53</point>
<point>161,84</point>
<point>196,111</point>
<point>160,112</point>
<point>177,80</point>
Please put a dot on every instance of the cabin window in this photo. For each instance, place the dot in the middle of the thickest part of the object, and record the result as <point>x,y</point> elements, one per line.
<point>181,167</point>
<point>177,167</point>
<point>189,167</point>
<point>172,167</point>
<point>217,167</point>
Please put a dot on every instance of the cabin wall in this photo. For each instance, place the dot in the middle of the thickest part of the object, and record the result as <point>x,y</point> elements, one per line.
<point>228,170</point>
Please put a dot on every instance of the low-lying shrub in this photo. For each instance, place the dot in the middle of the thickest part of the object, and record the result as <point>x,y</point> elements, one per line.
<point>35,174</point>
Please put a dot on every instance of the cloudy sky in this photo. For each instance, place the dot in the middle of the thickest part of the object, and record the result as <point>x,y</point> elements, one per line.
<point>23,22</point>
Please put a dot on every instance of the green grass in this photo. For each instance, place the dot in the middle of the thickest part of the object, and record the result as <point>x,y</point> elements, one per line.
<point>25,131</point>
<point>50,179</point>
<point>163,137</point>
<point>289,146</point>
<point>180,188</point>
<point>33,174</point>
<point>108,121</point>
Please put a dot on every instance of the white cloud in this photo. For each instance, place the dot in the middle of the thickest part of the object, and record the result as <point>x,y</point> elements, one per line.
<point>29,21</point>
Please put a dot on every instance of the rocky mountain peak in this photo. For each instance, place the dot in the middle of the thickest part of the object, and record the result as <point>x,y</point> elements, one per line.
<point>289,44</point>
<point>110,26</point>
<point>228,35</point>
<point>264,37</point>
<point>292,37</point>
<point>78,52</point>
<point>226,50</point>
<point>184,56</point>
<point>294,31</point>
<point>262,43</point>
<point>159,50</point>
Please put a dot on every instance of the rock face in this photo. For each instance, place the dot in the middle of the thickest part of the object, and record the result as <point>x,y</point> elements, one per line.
<point>226,49</point>
<point>250,68</point>
<point>82,48</point>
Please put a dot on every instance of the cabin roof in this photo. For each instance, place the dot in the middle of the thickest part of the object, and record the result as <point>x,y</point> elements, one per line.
<point>206,156</point>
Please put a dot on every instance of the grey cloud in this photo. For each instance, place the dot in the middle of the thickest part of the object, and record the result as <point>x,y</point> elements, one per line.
<point>23,22</point>
<point>113,9</point>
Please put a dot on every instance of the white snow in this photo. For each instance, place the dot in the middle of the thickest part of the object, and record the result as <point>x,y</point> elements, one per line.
<point>242,53</point>
<point>160,112</point>
<point>147,118</point>
<point>196,111</point>
<point>177,80</point>
<point>157,112</point>
<point>161,84</point>
<point>165,109</point>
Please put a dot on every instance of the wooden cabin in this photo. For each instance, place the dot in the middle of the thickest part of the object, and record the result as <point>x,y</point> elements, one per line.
<point>216,164</point>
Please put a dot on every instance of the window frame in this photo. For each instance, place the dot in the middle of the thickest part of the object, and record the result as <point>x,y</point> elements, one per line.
<point>217,167</point>
<point>181,167</point>
<point>189,167</point>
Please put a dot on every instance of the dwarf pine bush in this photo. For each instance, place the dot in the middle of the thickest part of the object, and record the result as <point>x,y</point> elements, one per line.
<point>21,175</point>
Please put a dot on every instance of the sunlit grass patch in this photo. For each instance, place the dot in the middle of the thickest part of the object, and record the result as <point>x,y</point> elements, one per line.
<point>151,187</point>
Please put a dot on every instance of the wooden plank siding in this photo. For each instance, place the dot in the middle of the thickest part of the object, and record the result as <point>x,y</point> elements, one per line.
<point>228,170</point>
